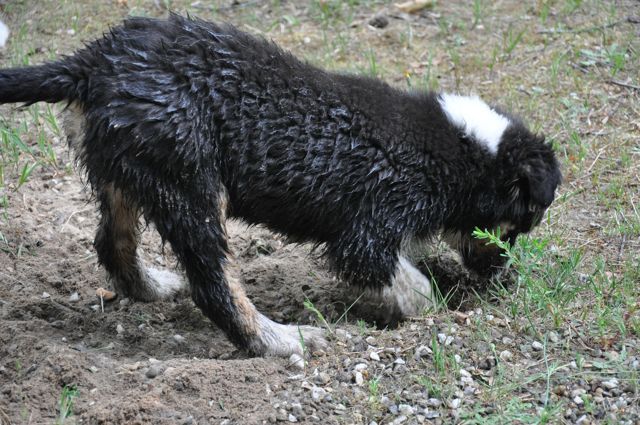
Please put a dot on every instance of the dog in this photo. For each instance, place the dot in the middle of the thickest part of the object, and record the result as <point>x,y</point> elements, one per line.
<point>187,123</point>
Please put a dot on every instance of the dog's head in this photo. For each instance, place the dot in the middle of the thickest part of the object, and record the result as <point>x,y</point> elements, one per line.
<point>512,196</point>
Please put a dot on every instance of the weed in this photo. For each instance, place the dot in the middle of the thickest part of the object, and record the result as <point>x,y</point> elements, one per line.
<point>511,39</point>
<point>65,404</point>
<point>312,308</point>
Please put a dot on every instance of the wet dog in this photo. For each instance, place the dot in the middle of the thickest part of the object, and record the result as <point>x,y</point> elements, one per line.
<point>188,123</point>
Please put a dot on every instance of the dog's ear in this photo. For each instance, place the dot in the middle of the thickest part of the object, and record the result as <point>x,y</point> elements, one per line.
<point>530,169</point>
<point>538,174</point>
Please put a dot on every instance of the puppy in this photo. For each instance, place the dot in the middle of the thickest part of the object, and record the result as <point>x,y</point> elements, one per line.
<point>188,123</point>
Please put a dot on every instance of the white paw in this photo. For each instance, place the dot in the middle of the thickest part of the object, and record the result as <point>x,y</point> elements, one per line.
<point>166,284</point>
<point>284,340</point>
<point>410,292</point>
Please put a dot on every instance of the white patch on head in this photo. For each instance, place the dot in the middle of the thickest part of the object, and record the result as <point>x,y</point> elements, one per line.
<point>410,291</point>
<point>4,34</point>
<point>473,116</point>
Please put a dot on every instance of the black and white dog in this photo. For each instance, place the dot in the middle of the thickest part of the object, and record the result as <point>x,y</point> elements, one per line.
<point>188,123</point>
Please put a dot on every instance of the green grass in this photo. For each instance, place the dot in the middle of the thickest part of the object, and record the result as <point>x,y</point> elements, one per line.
<point>65,404</point>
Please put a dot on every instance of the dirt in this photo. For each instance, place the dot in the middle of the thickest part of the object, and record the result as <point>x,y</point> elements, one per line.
<point>164,363</point>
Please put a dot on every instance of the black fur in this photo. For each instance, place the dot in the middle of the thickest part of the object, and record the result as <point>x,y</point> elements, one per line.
<point>180,111</point>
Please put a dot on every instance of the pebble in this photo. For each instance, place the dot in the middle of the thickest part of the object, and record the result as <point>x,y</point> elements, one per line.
<point>445,339</point>
<point>322,378</point>
<point>431,414</point>
<point>374,356</point>
<point>455,403</point>
<point>359,379</point>
<point>506,355</point>
<point>119,329</point>
<point>554,337</point>
<point>46,295</point>
<point>360,367</point>
<point>178,338</point>
<point>152,372</point>
<point>578,392</point>
<point>370,340</point>
<point>422,351</point>
<point>610,384</point>
<point>434,402</point>
<point>318,393</point>
<point>406,409</point>
<point>379,21</point>
<point>578,400</point>
<point>74,298</point>
<point>400,419</point>
<point>537,346</point>
<point>292,418</point>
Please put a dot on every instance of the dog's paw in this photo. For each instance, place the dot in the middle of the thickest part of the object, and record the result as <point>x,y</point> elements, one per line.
<point>279,340</point>
<point>164,283</point>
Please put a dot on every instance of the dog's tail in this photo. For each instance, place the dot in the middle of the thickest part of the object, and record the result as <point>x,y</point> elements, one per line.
<point>52,82</point>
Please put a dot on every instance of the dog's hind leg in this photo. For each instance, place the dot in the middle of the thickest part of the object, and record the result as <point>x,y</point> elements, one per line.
<point>116,243</point>
<point>194,225</point>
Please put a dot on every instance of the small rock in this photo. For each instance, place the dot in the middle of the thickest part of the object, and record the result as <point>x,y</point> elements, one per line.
<point>318,393</point>
<point>95,307</point>
<point>554,337</point>
<point>582,420</point>
<point>455,403</point>
<point>360,367</point>
<point>119,329</point>
<point>406,409</point>
<point>578,400</point>
<point>359,379</point>
<point>422,351</point>
<point>610,384</point>
<point>46,295</point>
<point>434,402</point>
<point>370,340</point>
<point>399,420</point>
<point>506,355</point>
<point>178,338</point>
<point>322,378</point>
<point>578,392</point>
<point>74,298</point>
<point>537,346</point>
<point>445,339</point>
<point>460,317</point>
<point>292,418</point>
<point>379,21</point>
<point>152,372</point>
<point>431,414</point>
<point>374,356</point>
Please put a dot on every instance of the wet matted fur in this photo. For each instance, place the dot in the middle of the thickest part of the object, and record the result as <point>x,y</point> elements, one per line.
<point>188,122</point>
